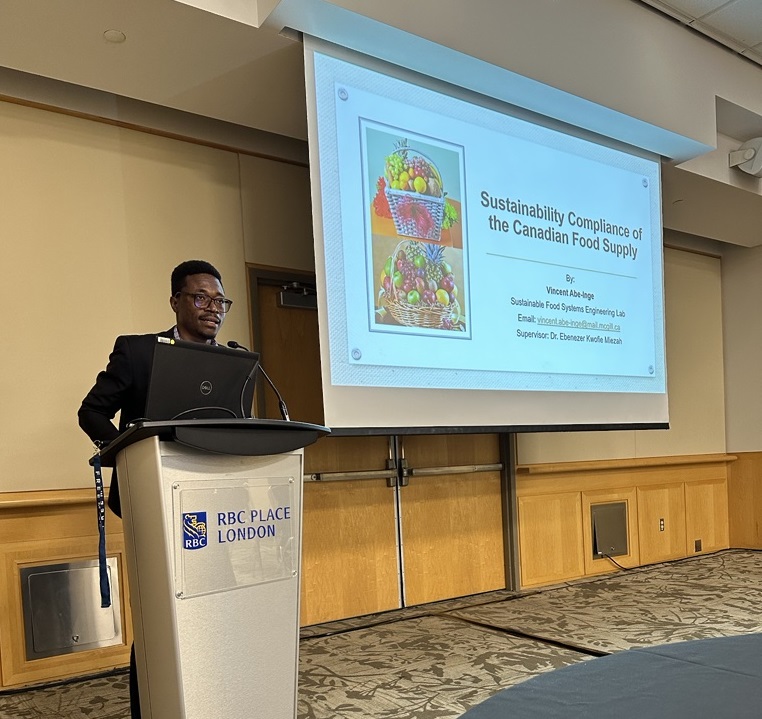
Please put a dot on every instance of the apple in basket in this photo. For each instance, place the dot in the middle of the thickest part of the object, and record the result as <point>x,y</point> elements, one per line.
<point>423,280</point>
<point>412,173</point>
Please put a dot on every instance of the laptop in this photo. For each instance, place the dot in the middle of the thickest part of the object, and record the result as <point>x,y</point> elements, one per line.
<point>195,380</point>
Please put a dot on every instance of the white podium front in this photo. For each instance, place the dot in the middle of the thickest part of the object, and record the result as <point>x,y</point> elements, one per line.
<point>212,526</point>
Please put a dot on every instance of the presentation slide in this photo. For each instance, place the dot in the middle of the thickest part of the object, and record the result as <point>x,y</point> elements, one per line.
<point>466,248</point>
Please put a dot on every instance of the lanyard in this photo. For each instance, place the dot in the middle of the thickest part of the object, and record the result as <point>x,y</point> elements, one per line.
<point>101,507</point>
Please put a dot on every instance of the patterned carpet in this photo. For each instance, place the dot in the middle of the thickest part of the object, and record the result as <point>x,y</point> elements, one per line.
<point>711,596</point>
<point>426,667</point>
<point>102,698</point>
<point>436,662</point>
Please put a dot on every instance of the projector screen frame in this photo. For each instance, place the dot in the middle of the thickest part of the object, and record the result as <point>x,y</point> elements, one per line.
<point>490,429</point>
<point>439,86</point>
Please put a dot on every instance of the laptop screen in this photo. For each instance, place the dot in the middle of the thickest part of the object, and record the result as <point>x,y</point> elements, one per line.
<point>195,380</point>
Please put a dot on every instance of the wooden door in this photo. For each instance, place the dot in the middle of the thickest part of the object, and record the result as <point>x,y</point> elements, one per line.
<point>350,563</point>
<point>452,523</point>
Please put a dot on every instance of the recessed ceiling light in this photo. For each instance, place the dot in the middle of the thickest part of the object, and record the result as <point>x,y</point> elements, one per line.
<point>115,36</point>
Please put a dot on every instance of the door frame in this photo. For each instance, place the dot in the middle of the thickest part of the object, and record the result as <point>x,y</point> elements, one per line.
<point>258,275</point>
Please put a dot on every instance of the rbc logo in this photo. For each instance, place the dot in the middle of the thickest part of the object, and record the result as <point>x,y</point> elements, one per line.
<point>194,530</point>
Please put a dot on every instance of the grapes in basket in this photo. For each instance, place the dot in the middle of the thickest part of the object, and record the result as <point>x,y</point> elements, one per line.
<point>408,171</point>
<point>418,288</point>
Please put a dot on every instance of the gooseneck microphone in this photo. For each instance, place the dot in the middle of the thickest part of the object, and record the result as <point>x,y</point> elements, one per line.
<point>281,403</point>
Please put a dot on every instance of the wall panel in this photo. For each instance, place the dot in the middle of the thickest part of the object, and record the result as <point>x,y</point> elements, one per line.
<point>554,500</point>
<point>745,501</point>
<point>38,528</point>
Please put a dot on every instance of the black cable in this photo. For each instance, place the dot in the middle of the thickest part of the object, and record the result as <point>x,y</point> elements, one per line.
<point>258,368</point>
<point>238,346</point>
<point>249,376</point>
<point>611,559</point>
<point>281,403</point>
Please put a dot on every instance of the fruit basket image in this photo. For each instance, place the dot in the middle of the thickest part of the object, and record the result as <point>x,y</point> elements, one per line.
<point>415,194</point>
<point>418,288</point>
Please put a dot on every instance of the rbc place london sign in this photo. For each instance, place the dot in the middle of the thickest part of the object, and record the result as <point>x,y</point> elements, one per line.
<point>233,533</point>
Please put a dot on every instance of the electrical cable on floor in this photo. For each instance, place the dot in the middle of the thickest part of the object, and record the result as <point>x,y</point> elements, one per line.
<point>611,559</point>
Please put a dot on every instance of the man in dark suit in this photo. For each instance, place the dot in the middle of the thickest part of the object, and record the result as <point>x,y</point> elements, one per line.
<point>199,303</point>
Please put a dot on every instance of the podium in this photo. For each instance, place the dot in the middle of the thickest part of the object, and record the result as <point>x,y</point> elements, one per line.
<point>212,527</point>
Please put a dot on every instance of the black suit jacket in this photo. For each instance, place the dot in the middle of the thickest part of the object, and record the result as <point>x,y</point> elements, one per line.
<point>122,386</point>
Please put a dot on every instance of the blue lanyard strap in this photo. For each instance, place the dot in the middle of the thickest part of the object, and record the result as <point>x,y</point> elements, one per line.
<point>101,507</point>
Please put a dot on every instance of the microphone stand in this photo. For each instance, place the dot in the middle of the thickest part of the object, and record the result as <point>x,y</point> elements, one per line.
<point>281,403</point>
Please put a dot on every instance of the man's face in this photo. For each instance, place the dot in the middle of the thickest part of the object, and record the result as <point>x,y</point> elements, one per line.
<point>193,323</point>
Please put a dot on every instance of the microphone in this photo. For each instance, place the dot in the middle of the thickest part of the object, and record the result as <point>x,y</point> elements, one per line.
<point>281,403</point>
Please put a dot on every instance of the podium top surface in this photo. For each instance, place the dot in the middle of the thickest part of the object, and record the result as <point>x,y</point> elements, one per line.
<point>244,437</point>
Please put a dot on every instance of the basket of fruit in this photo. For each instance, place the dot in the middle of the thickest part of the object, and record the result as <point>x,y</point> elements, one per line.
<point>418,288</point>
<point>415,194</point>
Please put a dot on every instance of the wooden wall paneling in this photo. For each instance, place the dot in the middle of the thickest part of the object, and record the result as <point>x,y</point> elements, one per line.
<point>51,515</point>
<point>661,522</point>
<point>745,501</point>
<point>350,562</point>
<point>46,527</point>
<point>346,454</point>
<point>706,516</point>
<point>601,565</point>
<point>550,538</point>
<point>452,536</point>
<point>620,473</point>
<point>16,669</point>
<point>452,525</point>
<point>442,450</point>
<point>538,487</point>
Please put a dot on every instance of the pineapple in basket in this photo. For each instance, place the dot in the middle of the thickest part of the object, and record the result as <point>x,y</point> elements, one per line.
<point>418,287</point>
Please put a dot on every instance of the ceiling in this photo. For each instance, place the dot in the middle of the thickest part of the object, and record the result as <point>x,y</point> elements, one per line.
<point>737,24</point>
<point>173,55</point>
<point>184,58</point>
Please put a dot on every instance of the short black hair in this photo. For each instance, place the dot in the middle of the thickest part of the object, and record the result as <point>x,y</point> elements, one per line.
<point>191,267</point>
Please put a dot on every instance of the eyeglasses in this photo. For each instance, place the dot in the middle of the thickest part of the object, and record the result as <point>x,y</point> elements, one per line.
<point>202,301</point>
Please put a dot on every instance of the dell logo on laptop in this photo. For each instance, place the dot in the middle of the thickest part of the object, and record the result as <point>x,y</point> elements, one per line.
<point>206,387</point>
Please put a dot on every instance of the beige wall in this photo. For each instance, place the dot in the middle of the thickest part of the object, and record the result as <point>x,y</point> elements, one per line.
<point>695,378</point>
<point>277,237</point>
<point>96,216</point>
<point>93,219</point>
<point>742,304</point>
